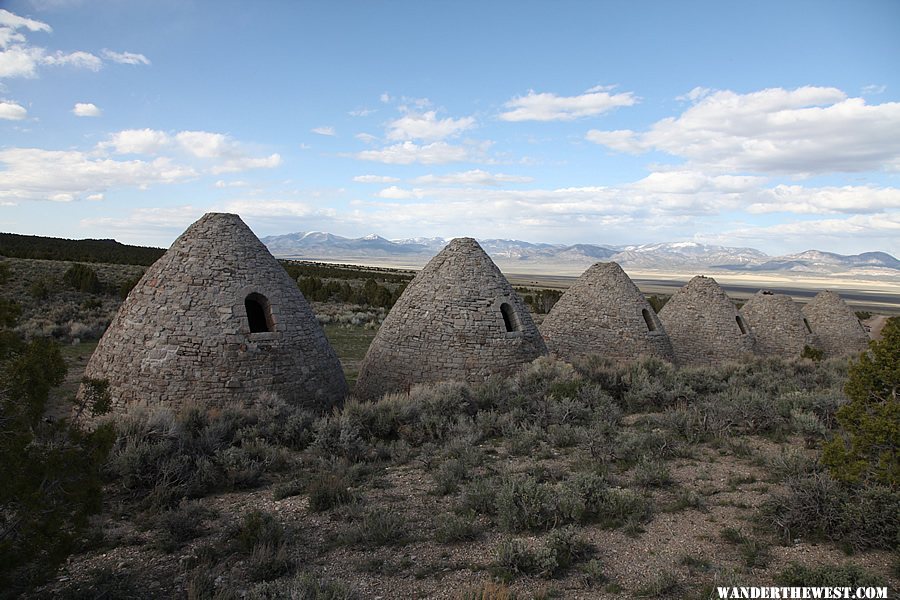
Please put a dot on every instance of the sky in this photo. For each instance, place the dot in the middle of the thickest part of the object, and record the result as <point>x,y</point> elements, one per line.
<point>773,125</point>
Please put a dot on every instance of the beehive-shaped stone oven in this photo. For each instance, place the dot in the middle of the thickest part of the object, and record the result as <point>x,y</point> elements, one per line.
<point>778,325</point>
<point>217,319</point>
<point>704,325</point>
<point>604,313</point>
<point>838,332</point>
<point>458,320</point>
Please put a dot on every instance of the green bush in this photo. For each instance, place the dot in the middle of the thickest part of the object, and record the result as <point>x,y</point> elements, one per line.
<point>377,528</point>
<point>160,457</point>
<point>304,586</point>
<point>176,527</point>
<point>652,473</point>
<point>82,278</point>
<point>50,471</point>
<point>39,289</point>
<point>126,286</point>
<point>329,490</point>
<point>450,528</point>
<point>524,504</point>
<point>560,550</point>
<point>257,528</point>
<point>817,507</point>
<point>9,312</point>
<point>811,353</point>
<point>869,448</point>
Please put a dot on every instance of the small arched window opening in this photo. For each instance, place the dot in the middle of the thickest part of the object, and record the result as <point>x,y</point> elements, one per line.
<point>259,313</point>
<point>806,324</point>
<point>509,317</point>
<point>651,324</point>
<point>740,323</point>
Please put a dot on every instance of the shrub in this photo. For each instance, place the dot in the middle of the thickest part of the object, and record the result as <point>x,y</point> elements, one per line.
<point>175,527</point>
<point>818,507</point>
<point>525,504</point>
<point>268,561</point>
<point>257,528</point>
<point>813,354</point>
<point>50,472</point>
<point>126,286</point>
<point>559,551</point>
<point>9,312</point>
<point>450,528</point>
<point>378,528</point>
<point>39,289</point>
<point>663,584</point>
<point>479,496</point>
<point>304,586</point>
<point>869,449</point>
<point>82,278</point>
<point>329,490</point>
<point>448,475</point>
<point>652,473</point>
<point>791,464</point>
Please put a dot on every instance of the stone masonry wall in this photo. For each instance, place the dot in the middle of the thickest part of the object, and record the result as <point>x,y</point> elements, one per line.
<point>448,325</point>
<point>777,324</point>
<point>603,313</point>
<point>837,330</point>
<point>702,324</point>
<point>182,335</point>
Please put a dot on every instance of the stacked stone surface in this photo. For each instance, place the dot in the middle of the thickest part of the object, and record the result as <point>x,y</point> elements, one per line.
<point>704,325</point>
<point>604,313</point>
<point>458,320</point>
<point>216,320</point>
<point>838,332</point>
<point>778,325</point>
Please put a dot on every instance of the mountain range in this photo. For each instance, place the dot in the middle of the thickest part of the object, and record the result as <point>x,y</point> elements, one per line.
<point>529,256</point>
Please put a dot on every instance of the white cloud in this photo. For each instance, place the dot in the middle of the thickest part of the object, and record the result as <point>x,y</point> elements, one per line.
<point>847,199</point>
<point>427,126</point>
<point>221,184</point>
<point>245,163</point>
<point>19,58</point>
<point>138,141</point>
<point>35,174</point>
<point>855,233</point>
<point>407,153</point>
<point>385,97</point>
<point>374,179</point>
<point>324,130</point>
<point>11,111</point>
<point>19,61</point>
<point>693,182</point>
<point>550,107</point>
<point>80,59</point>
<point>14,22</point>
<point>367,138</point>
<point>164,219</point>
<point>804,131</point>
<point>362,112</point>
<point>125,58</point>
<point>275,208</point>
<point>473,177</point>
<point>396,193</point>
<point>86,109</point>
<point>874,89</point>
<point>205,144</point>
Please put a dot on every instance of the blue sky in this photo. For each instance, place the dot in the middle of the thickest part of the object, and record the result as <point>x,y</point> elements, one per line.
<point>767,124</point>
